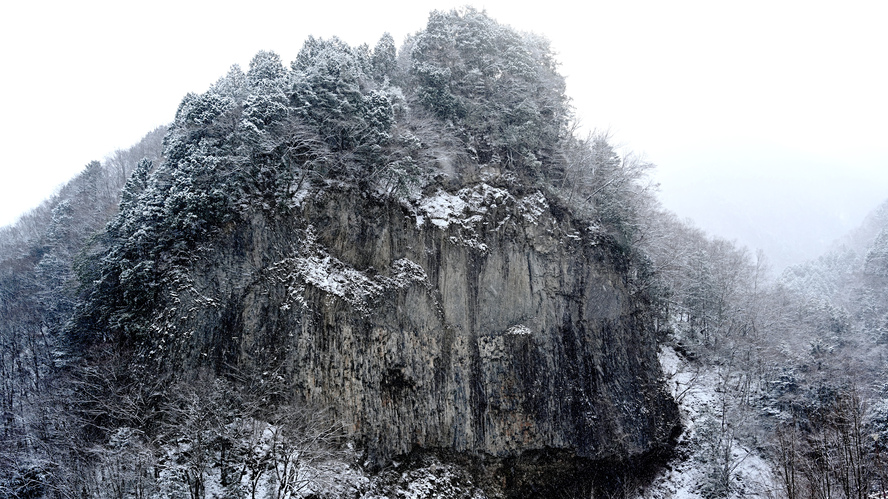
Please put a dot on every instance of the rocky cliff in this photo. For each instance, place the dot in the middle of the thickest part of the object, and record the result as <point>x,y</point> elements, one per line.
<point>477,320</point>
<point>396,238</point>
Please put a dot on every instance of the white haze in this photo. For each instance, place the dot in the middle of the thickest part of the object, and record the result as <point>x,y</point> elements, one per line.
<point>766,119</point>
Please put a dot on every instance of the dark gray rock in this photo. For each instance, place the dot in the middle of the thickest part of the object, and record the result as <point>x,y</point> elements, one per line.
<point>478,322</point>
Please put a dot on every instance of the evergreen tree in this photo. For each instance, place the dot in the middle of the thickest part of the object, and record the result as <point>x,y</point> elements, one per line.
<point>233,85</point>
<point>498,86</point>
<point>384,60</point>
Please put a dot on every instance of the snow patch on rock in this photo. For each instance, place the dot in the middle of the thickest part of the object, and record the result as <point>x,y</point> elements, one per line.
<point>318,268</point>
<point>532,207</point>
<point>518,330</point>
<point>478,208</point>
<point>336,278</point>
<point>442,209</point>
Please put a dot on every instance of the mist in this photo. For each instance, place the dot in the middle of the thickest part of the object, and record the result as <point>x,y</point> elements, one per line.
<point>791,207</point>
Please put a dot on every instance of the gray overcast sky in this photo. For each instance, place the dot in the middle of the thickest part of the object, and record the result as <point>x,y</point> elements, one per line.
<point>753,110</point>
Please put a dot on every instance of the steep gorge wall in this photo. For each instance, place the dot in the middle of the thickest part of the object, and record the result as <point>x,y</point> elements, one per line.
<point>475,321</point>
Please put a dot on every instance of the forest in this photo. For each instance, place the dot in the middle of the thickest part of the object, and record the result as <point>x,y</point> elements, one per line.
<point>108,387</point>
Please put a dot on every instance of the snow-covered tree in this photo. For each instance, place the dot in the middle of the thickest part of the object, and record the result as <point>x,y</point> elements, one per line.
<point>384,59</point>
<point>499,87</point>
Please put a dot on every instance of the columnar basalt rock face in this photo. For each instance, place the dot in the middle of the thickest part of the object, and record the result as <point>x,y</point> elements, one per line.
<point>476,321</point>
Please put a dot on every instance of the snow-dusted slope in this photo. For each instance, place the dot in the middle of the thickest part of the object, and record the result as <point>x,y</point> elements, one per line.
<point>709,461</point>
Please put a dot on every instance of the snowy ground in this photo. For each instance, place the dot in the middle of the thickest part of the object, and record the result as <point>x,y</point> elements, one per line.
<point>700,399</point>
